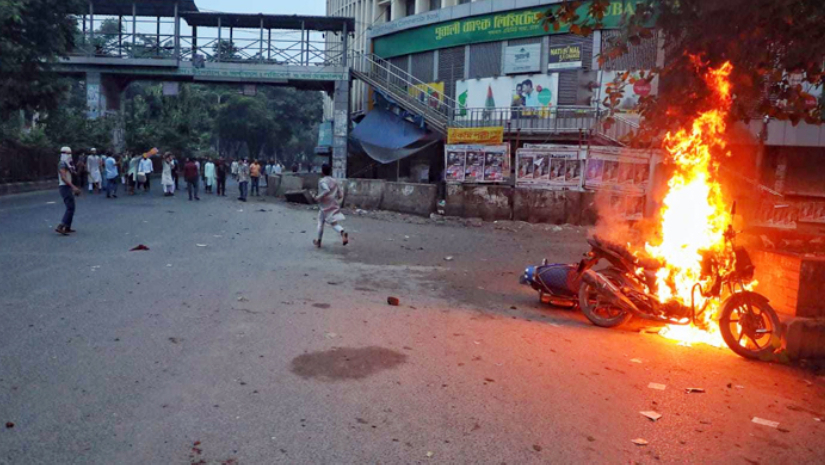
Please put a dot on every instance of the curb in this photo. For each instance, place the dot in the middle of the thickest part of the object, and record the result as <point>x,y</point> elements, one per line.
<point>21,187</point>
<point>805,338</point>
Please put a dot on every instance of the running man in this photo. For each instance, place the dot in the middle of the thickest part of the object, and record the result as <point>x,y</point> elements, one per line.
<point>67,190</point>
<point>329,198</point>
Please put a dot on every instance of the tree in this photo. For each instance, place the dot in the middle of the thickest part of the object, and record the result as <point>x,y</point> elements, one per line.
<point>33,35</point>
<point>245,120</point>
<point>777,49</point>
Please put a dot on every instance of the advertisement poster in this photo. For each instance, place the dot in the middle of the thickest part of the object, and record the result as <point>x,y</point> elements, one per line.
<point>548,166</point>
<point>456,159</point>
<point>477,163</point>
<point>619,169</point>
<point>632,91</point>
<point>482,136</point>
<point>565,57</point>
<point>534,95</point>
<point>521,96</point>
<point>431,93</point>
<point>519,59</point>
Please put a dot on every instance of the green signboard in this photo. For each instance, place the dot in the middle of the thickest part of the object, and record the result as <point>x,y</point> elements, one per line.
<point>507,25</point>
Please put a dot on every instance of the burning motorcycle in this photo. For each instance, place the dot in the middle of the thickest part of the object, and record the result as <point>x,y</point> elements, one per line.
<point>628,287</point>
<point>557,284</point>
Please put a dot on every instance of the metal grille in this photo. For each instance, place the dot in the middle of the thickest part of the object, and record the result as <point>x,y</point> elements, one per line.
<point>423,66</point>
<point>642,56</point>
<point>401,63</point>
<point>450,68</point>
<point>485,60</point>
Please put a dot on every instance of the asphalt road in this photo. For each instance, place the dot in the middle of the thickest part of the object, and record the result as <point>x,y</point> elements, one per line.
<point>256,348</point>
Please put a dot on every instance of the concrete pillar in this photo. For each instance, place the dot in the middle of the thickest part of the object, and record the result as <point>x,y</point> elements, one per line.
<point>340,132</point>
<point>396,9</point>
<point>421,6</point>
<point>105,97</point>
<point>95,97</point>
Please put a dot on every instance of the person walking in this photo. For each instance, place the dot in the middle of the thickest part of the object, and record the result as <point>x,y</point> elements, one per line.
<point>144,171</point>
<point>278,169</point>
<point>67,190</point>
<point>93,165</point>
<point>235,169</point>
<point>175,171</point>
<point>209,175</point>
<point>255,175</point>
<point>132,174</point>
<point>111,176</point>
<point>243,179</point>
<point>191,175</point>
<point>220,169</point>
<point>329,199</point>
<point>166,178</point>
<point>267,173</point>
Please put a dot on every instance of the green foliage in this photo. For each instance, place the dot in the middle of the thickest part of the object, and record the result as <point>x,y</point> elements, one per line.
<point>33,34</point>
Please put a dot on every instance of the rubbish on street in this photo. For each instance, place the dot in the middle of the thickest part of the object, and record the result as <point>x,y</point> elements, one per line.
<point>694,390</point>
<point>394,301</point>
<point>635,360</point>
<point>448,258</point>
<point>9,425</point>
<point>653,416</point>
<point>138,247</point>
<point>201,245</point>
<point>330,335</point>
<point>50,203</point>
<point>243,299</point>
<point>639,442</point>
<point>660,387</point>
<point>762,421</point>
<point>430,454</point>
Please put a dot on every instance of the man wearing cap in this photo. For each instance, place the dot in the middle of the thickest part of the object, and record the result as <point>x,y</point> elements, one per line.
<point>67,190</point>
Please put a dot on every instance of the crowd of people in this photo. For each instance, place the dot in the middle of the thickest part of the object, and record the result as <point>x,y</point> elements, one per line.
<point>104,172</point>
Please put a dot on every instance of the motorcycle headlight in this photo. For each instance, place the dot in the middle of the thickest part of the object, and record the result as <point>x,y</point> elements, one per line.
<point>528,275</point>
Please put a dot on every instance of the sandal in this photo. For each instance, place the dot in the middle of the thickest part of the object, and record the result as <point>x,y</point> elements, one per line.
<point>316,243</point>
<point>346,237</point>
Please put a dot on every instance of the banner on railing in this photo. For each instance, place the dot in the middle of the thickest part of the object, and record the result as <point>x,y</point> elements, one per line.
<point>618,169</point>
<point>483,136</point>
<point>506,97</point>
<point>549,166</point>
<point>476,163</point>
<point>633,88</point>
<point>431,93</point>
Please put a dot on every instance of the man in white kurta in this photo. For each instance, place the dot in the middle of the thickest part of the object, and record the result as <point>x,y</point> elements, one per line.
<point>95,177</point>
<point>166,178</point>
<point>330,195</point>
<point>209,175</point>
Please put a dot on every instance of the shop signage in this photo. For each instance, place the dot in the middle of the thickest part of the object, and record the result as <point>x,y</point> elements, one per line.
<point>565,57</point>
<point>522,59</point>
<point>516,24</point>
<point>482,136</point>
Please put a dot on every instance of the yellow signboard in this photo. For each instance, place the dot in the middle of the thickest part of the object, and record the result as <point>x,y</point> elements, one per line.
<point>485,136</point>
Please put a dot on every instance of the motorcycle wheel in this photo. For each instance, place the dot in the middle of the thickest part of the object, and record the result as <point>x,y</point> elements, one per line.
<point>750,326</point>
<point>601,313</point>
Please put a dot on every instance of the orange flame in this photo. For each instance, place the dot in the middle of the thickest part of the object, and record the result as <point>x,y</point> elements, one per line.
<point>694,213</point>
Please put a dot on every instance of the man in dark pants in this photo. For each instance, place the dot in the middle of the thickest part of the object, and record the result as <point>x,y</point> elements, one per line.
<point>67,190</point>
<point>220,168</point>
<point>191,175</point>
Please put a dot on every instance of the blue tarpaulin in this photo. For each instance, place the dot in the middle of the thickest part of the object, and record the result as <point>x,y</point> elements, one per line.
<point>386,137</point>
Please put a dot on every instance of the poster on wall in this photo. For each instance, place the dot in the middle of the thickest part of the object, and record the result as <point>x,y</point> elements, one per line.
<point>627,207</point>
<point>618,169</point>
<point>633,89</point>
<point>565,57</point>
<point>548,166</point>
<point>497,99</point>
<point>431,93</point>
<point>476,163</point>
<point>519,59</point>
<point>534,95</point>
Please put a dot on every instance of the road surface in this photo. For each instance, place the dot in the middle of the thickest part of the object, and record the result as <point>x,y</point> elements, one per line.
<point>233,340</point>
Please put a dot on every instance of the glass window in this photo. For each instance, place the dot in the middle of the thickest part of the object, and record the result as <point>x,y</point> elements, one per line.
<point>462,2</point>
<point>410,7</point>
<point>435,5</point>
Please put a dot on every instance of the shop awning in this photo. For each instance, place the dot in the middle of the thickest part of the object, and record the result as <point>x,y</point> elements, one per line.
<point>386,137</point>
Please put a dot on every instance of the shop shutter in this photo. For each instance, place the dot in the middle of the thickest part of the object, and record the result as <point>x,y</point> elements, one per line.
<point>423,66</point>
<point>569,80</point>
<point>485,60</point>
<point>642,56</point>
<point>450,68</point>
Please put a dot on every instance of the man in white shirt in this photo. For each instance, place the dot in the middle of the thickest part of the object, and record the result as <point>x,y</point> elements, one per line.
<point>145,169</point>
<point>278,169</point>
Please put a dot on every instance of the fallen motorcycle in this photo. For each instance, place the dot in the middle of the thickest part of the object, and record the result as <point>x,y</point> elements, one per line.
<point>557,284</point>
<point>627,288</point>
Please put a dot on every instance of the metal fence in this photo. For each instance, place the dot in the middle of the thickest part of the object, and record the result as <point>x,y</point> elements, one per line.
<point>531,120</point>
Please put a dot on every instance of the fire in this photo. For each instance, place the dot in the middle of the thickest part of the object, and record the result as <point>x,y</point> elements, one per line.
<point>694,215</point>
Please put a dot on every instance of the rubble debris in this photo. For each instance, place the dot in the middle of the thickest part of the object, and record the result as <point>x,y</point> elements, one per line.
<point>692,390</point>
<point>537,448</point>
<point>652,415</point>
<point>430,453</point>
<point>394,301</point>
<point>635,360</point>
<point>448,258</point>
<point>242,299</point>
<point>201,245</point>
<point>639,442</point>
<point>762,421</point>
<point>657,386</point>
<point>138,247</point>
<point>9,425</point>
<point>330,335</point>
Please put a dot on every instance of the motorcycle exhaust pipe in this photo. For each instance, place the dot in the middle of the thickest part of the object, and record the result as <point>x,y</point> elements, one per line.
<point>609,290</point>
